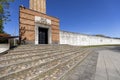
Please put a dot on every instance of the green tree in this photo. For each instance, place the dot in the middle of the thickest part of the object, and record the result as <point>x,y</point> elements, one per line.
<point>1,20</point>
<point>4,13</point>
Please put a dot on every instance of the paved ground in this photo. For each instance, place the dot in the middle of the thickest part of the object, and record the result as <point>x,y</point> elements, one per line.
<point>108,65</point>
<point>104,64</point>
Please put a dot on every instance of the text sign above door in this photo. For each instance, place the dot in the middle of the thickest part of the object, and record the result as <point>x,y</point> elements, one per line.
<point>42,20</point>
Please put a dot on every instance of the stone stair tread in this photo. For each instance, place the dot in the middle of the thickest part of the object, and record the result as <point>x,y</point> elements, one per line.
<point>22,59</point>
<point>28,71</point>
<point>23,66</point>
<point>38,76</point>
<point>30,62</point>
<point>27,53</point>
<point>7,57</point>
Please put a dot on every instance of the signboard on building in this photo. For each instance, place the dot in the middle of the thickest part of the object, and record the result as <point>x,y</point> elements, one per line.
<point>42,20</point>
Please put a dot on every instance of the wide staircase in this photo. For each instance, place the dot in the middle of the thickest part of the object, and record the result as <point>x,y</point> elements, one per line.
<point>41,62</point>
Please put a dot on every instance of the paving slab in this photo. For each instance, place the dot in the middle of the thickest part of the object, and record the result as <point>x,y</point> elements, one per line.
<point>108,65</point>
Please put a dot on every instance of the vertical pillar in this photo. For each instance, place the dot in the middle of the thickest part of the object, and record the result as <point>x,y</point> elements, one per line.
<point>38,5</point>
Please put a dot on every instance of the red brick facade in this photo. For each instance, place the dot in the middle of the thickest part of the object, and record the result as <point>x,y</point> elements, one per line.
<point>27,25</point>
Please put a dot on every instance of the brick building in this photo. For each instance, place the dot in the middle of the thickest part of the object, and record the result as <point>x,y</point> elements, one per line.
<point>36,26</point>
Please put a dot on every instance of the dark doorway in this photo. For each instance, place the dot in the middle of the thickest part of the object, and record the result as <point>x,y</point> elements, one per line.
<point>43,35</point>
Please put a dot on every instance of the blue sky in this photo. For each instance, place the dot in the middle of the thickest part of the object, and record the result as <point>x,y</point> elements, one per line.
<point>82,16</point>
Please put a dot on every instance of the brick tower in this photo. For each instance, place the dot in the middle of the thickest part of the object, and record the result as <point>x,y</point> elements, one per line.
<point>38,5</point>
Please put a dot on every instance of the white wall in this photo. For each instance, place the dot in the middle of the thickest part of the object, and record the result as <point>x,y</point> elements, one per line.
<point>84,40</point>
<point>4,47</point>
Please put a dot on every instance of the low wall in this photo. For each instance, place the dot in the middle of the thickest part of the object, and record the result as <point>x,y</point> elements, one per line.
<point>4,47</point>
<point>85,40</point>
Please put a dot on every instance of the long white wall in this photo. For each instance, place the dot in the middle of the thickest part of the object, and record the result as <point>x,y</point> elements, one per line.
<point>85,40</point>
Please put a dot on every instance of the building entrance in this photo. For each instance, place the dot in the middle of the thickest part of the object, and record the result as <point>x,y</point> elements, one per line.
<point>43,35</point>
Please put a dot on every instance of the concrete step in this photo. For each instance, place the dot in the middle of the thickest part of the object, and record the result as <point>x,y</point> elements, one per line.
<point>58,70</point>
<point>36,67</point>
<point>42,62</point>
<point>32,57</point>
<point>35,49</point>
<point>38,47</point>
<point>83,57</point>
<point>28,49</point>
<point>14,67</point>
<point>25,54</point>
